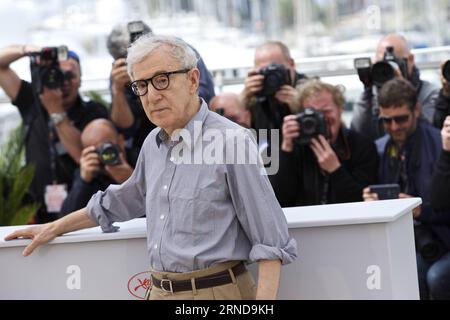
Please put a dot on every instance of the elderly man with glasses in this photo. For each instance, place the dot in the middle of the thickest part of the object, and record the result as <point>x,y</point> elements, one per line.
<point>408,154</point>
<point>204,220</point>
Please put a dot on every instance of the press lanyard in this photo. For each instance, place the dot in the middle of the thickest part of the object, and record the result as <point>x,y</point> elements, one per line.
<point>326,185</point>
<point>53,154</point>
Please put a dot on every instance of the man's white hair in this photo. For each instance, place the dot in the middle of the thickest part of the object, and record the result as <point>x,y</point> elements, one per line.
<point>145,45</point>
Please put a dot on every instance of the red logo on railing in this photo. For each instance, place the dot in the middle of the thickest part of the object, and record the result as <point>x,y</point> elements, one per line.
<point>138,284</point>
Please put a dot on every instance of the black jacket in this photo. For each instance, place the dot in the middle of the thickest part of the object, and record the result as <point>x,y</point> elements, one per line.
<point>442,110</point>
<point>440,184</point>
<point>81,192</point>
<point>300,181</point>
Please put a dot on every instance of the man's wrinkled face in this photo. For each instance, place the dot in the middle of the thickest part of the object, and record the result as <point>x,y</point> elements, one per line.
<point>72,81</point>
<point>399,122</point>
<point>166,108</point>
<point>324,103</point>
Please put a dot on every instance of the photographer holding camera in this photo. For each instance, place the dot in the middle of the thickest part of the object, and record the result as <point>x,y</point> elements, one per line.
<point>103,162</point>
<point>393,60</point>
<point>269,91</point>
<point>53,115</point>
<point>321,161</point>
<point>126,110</point>
<point>408,154</point>
<point>443,100</point>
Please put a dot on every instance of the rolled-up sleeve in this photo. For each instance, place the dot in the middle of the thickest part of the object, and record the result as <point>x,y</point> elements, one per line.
<point>120,202</point>
<point>258,210</point>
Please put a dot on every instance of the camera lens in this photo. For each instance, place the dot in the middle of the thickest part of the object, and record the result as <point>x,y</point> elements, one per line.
<point>382,72</point>
<point>109,154</point>
<point>426,243</point>
<point>52,77</point>
<point>309,126</point>
<point>272,83</point>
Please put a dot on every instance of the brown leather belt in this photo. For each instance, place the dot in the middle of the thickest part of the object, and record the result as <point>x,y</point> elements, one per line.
<point>216,279</point>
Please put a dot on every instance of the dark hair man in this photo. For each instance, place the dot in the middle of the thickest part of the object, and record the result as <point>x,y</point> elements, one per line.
<point>53,122</point>
<point>365,113</point>
<point>408,154</point>
<point>203,219</point>
<point>334,165</point>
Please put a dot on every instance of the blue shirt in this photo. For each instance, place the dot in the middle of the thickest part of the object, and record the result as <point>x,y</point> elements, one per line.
<point>200,214</point>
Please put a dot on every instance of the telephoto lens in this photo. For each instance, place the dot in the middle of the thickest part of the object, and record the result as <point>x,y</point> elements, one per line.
<point>109,154</point>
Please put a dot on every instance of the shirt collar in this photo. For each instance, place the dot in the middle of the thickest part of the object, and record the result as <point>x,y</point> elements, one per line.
<point>199,117</point>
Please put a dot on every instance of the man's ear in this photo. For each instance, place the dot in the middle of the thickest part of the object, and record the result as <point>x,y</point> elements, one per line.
<point>194,79</point>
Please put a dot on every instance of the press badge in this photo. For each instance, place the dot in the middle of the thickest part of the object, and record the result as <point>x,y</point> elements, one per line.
<point>55,195</point>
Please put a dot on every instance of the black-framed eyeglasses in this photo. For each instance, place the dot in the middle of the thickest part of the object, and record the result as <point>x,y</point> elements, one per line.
<point>159,81</point>
<point>401,119</point>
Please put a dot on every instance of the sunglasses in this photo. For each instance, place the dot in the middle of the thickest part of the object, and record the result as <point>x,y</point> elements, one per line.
<point>401,119</point>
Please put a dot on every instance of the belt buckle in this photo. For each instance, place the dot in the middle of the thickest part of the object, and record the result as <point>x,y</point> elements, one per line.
<point>170,285</point>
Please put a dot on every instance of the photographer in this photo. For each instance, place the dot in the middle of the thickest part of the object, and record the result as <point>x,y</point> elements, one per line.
<point>443,100</point>
<point>401,62</point>
<point>408,154</point>
<point>269,91</point>
<point>321,161</point>
<point>53,114</point>
<point>126,110</point>
<point>103,162</point>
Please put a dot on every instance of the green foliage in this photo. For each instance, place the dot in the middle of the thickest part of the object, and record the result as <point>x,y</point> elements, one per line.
<point>15,179</point>
<point>287,12</point>
<point>97,97</point>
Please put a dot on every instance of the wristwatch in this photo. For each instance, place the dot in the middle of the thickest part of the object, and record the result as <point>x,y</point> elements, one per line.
<point>57,118</point>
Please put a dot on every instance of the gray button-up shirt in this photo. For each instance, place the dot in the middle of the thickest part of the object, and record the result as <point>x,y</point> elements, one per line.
<point>199,214</point>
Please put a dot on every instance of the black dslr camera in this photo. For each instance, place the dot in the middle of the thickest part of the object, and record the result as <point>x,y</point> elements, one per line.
<point>446,70</point>
<point>45,69</point>
<point>275,76</point>
<point>426,243</point>
<point>312,123</point>
<point>109,154</point>
<point>382,71</point>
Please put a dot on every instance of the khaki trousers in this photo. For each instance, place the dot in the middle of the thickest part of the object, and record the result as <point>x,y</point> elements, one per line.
<point>242,288</point>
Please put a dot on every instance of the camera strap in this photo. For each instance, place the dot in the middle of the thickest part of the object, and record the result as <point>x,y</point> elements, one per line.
<point>53,153</point>
<point>55,194</point>
<point>325,187</point>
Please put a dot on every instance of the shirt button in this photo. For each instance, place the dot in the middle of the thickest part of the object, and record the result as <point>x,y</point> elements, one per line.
<point>155,246</point>
<point>165,187</point>
<point>162,217</point>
